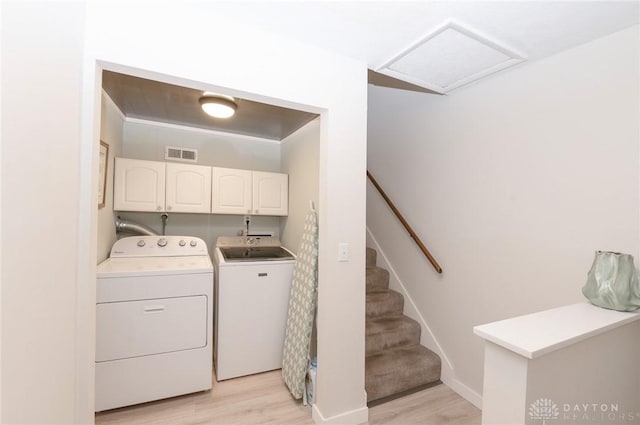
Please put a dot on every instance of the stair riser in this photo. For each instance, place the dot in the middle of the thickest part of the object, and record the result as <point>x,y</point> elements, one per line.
<point>377,278</point>
<point>405,337</point>
<point>397,382</point>
<point>371,257</point>
<point>400,370</point>
<point>388,304</point>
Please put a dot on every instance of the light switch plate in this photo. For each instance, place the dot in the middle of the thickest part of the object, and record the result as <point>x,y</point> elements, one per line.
<point>343,251</point>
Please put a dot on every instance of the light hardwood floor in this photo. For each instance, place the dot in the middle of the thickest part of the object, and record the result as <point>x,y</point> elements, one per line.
<point>263,399</point>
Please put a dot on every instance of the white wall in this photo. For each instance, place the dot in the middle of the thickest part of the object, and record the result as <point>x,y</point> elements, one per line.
<point>266,68</point>
<point>512,183</point>
<point>147,140</point>
<point>1,221</point>
<point>111,126</point>
<point>205,226</point>
<point>48,352</point>
<point>42,47</point>
<point>300,155</point>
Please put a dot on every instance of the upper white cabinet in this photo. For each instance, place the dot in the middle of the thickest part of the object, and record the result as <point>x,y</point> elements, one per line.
<point>157,186</point>
<point>138,185</point>
<point>231,191</point>
<point>188,188</point>
<point>249,192</point>
<point>270,193</point>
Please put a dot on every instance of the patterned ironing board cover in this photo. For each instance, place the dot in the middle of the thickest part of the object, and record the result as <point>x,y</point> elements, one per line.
<point>302,306</point>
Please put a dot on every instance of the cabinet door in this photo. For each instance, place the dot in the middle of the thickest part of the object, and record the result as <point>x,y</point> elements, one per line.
<point>138,185</point>
<point>270,193</point>
<point>188,188</point>
<point>231,191</point>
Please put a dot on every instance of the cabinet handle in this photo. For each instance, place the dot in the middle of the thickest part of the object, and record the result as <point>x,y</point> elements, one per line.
<point>154,308</point>
<point>256,211</point>
<point>158,208</point>
<point>262,274</point>
<point>248,211</point>
<point>169,208</point>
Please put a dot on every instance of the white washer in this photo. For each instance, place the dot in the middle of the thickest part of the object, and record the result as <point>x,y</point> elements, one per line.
<point>153,320</point>
<point>253,280</point>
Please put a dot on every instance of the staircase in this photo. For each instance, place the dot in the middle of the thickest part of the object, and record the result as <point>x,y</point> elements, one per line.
<point>395,361</point>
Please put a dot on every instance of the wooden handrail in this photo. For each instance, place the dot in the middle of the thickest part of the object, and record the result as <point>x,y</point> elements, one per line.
<point>413,235</point>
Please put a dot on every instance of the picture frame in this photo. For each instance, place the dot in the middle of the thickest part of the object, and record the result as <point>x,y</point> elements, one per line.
<point>102,174</point>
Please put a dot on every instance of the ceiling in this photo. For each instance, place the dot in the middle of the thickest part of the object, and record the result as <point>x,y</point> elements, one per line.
<point>428,46</point>
<point>155,101</point>
<point>437,45</point>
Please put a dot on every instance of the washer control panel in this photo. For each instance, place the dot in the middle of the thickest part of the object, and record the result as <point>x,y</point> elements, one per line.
<point>158,246</point>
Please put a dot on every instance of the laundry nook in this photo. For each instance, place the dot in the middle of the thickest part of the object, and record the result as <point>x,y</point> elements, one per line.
<point>201,227</point>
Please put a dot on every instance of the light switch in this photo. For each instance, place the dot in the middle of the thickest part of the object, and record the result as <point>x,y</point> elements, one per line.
<point>343,251</point>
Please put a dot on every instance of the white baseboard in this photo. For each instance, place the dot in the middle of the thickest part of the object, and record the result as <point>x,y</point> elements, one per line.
<point>352,417</point>
<point>464,391</point>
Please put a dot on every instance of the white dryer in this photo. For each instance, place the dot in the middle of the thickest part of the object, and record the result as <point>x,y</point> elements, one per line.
<point>153,320</point>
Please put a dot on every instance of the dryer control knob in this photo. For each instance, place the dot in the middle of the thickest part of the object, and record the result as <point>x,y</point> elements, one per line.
<point>141,243</point>
<point>162,242</point>
<point>193,243</point>
<point>182,242</point>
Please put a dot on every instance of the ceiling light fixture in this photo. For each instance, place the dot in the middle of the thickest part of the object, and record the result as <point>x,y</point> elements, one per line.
<point>218,106</point>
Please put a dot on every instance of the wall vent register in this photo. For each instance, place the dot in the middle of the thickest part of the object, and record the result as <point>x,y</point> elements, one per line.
<point>180,154</point>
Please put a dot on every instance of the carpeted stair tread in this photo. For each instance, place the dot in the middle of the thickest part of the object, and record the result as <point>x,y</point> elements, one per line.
<point>377,278</point>
<point>394,371</point>
<point>372,256</point>
<point>384,303</point>
<point>385,333</point>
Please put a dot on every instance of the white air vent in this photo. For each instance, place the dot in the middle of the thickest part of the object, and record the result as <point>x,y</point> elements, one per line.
<point>180,154</point>
<point>449,57</point>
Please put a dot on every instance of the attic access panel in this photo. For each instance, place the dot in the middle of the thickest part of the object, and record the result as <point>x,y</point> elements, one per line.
<point>448,58</point>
